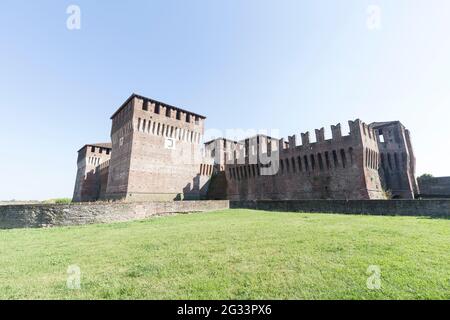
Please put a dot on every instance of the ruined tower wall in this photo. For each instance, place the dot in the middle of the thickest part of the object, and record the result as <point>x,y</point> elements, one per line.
<point>119,165</point>
<point>412,163</point>
<point>344,167</point>
<point>397,168</point>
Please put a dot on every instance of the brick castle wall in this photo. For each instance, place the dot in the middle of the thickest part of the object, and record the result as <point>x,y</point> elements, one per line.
<point>157,155</point>
<point>344,167</point>
<point>435,187</point>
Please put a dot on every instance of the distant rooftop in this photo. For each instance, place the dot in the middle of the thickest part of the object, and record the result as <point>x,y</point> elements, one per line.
<point>104,145</point>
<point>379,125</point>
<point>220,138</point>
<point>134,95</point>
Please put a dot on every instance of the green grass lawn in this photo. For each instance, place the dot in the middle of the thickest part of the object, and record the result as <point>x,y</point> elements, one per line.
<point>233,254</point>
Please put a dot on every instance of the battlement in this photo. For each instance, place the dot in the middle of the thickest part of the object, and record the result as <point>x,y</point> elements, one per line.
<point>94,154</point>
<point>160,108</point>
<point>144,115</point>
<point>98,147</point>
<point>358,129</point>
<point>340,167</point>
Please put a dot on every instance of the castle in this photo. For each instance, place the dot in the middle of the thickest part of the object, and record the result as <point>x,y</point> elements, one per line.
<point>156,153</point>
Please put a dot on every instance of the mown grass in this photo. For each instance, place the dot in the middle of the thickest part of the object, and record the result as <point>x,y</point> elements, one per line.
<point>233,254</point>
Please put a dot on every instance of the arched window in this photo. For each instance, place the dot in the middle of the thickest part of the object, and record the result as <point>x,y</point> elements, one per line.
<point>367,158</point>
<point>344,158</point>
<point>320,161</point>
<point>313,162</point>
<point>327,160</point>
<point>397,165</point>
<point>389,161</point>
<point>374,160</point>
<point>352,156</point>
<point>335,159</point>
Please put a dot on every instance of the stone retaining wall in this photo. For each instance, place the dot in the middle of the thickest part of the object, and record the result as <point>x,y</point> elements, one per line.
<point>435,187</point>
<point>432,208</point>
<point>41,215</point>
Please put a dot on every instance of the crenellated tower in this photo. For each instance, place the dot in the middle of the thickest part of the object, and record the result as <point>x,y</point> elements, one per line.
<point>92,173</point>
<point>398,162</point>
<point>156,152</point>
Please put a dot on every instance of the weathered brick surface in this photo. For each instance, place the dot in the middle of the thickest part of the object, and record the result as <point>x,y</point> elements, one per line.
<point>156,153</point>
<point>37,216</point>
<point>344,167</point>
<point>432,208</point>
<point>397,159</point>
<point>435,187</point>
<point>157,156</point>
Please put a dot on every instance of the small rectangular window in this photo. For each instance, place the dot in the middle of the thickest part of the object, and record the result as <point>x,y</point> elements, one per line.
<point>92,149</point>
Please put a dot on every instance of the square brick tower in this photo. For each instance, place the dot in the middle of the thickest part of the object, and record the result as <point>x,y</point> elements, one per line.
<point>156,152</point>
<point>92,173</point>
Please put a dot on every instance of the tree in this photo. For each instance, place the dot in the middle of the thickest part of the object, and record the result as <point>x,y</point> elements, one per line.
<point>426,176</point>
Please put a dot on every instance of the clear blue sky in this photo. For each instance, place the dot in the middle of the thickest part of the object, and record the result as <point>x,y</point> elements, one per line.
<point>288,64</point>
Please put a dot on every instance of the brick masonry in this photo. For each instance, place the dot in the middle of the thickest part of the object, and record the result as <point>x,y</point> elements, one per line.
<point>438,187</point>
<point>156,154</point>
<point>344,167</point>
<point>38,216</point>
<point>431,208</point>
